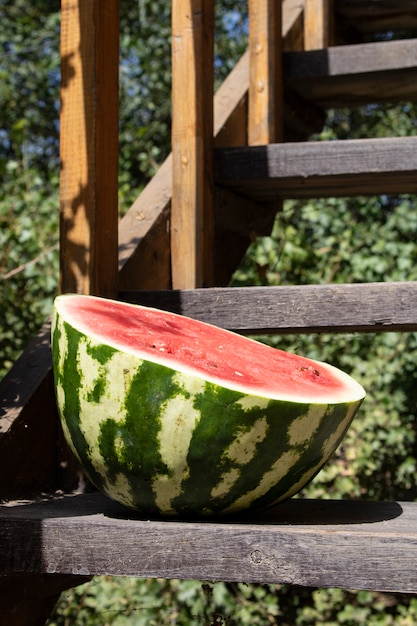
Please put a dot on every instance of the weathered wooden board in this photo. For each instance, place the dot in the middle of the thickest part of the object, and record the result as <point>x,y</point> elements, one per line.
<point>352,75</point>
<point>354,544</point>
<point>366,307</point>
<point>320,169</point>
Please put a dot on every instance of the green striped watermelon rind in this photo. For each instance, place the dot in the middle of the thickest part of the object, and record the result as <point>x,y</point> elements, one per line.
<point>165,442</point>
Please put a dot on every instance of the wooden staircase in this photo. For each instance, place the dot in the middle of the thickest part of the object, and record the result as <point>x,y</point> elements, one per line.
<point>177,248</point>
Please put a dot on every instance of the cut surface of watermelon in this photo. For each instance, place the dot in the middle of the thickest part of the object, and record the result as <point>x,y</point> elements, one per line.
<point>204,350</point>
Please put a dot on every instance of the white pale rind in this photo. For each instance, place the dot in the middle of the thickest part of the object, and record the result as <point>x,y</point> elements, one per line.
<point>304,427</point>
<point>278,471</point>
<point>241,451</point>
<point>178,420</point>
<point>328,448</point>
<point>112,406</point>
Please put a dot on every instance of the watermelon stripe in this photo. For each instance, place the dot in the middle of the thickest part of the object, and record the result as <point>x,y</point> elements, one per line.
<point>178,421</point>
<point>68,383</point>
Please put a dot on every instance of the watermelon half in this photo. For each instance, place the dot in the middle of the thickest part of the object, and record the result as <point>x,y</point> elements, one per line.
<point>172,416</point>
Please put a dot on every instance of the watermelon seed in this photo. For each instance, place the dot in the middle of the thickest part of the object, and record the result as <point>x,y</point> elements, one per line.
<point>311,369</point>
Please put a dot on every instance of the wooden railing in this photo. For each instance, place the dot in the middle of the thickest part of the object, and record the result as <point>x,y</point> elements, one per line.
<point>89,130</point>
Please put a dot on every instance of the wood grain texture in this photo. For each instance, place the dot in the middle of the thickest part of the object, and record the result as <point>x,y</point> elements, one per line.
<point>192,221</point>
<point>265,121</point>
<point>320,169</point>
<point>293,24</point>
<point>351,75</point>
<point>143,230</point>
<point>89,146</point>
<point>347,544</point>
<point>357,307</point>
<point>318,24</point>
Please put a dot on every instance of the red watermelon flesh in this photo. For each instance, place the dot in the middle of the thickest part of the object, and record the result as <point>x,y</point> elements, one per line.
<point>204,350</point>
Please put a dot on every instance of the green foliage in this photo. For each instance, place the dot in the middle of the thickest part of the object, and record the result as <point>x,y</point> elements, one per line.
<point>109,601</point>
<point>28,258</point>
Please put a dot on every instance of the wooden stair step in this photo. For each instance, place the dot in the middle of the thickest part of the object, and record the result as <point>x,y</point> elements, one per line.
<point>365,307</point>
<point>349,167</point>
<point>352,75</point>
<point>329,543</point>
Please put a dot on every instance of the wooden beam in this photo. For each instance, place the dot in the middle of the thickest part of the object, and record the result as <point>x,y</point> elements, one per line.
<point>265,121</point>
<point>318,24</point>
<point>293,24</point>
<point>89,146</point>
<point>343,76</point>
<point>326,543</point>
<point>357,307</point>
<point>192,223</point>
<point>320,169</point>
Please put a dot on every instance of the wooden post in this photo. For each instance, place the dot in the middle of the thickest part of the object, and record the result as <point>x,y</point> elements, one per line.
<point>89,146</point>
<point>265,88</point>
<point>192,143</point>
<point>318,24</point>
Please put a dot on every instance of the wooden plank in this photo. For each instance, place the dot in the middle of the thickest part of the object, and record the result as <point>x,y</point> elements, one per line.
<point>238,222</point>
<point>356,307</point>
<point>293,24</point>
<point>318,24</point>
<point>144,240</point>
<point>349,544</point>
<point>265,122</point>
<point>192,223</point>
<point>320,169</point>
<point>89,146</point>
<point>353,75</point>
